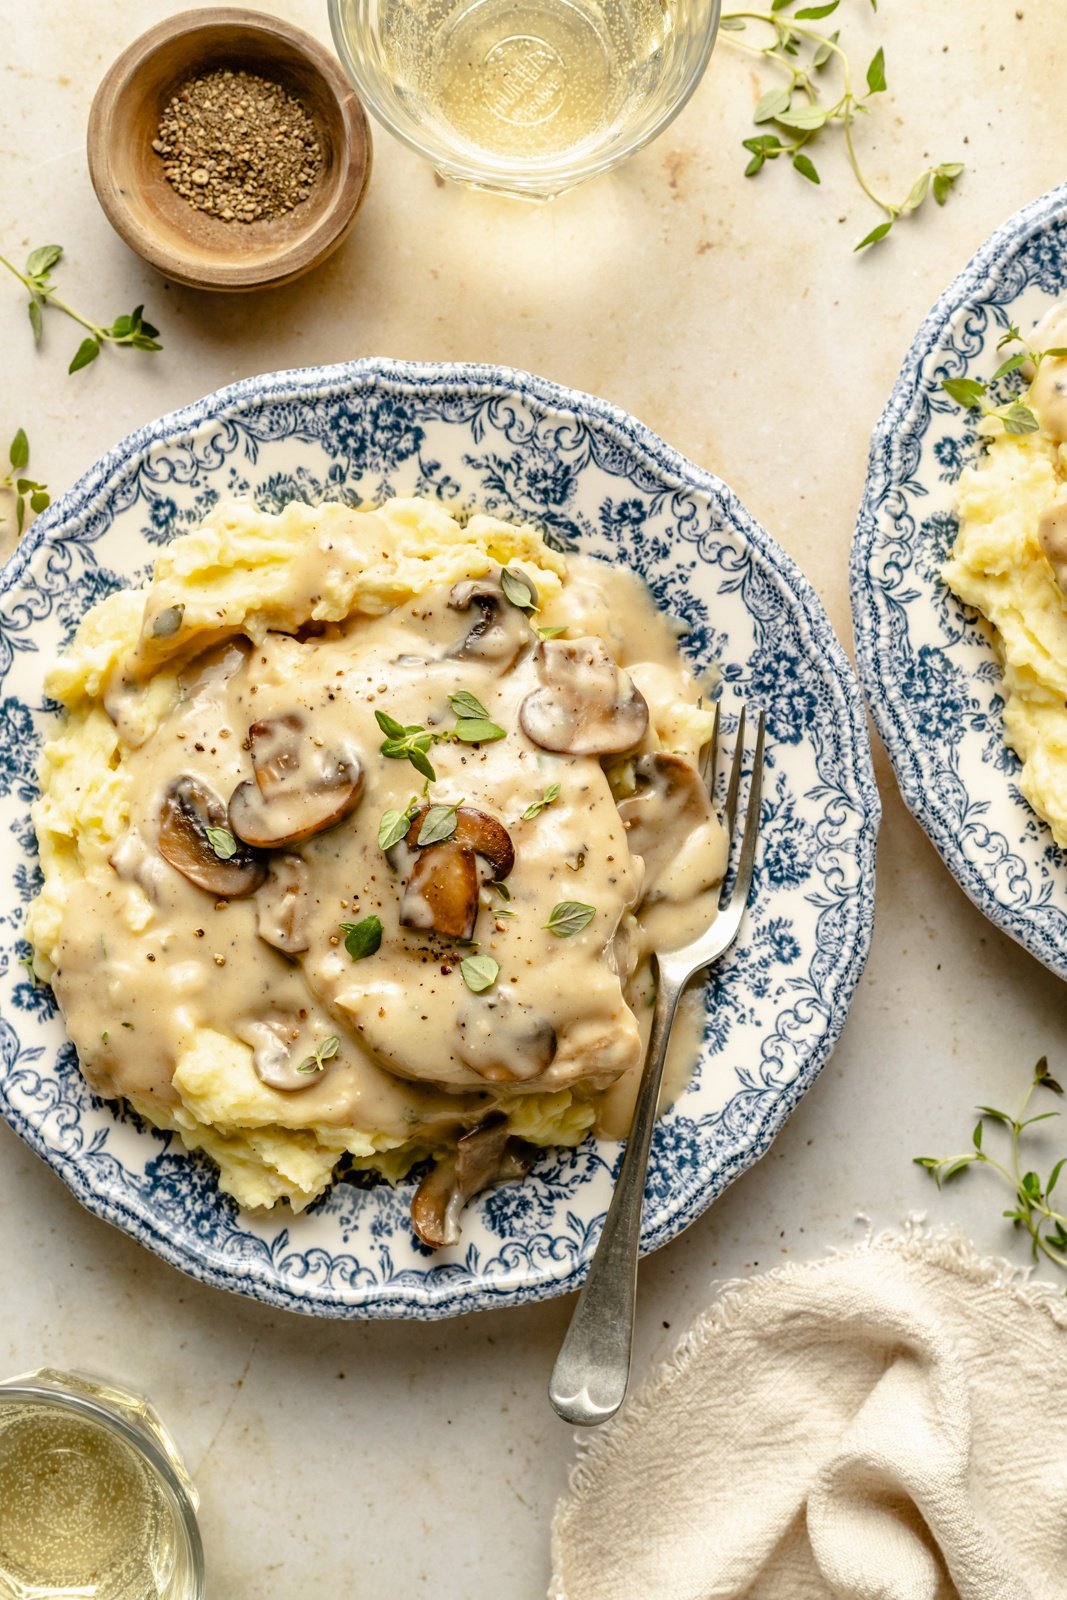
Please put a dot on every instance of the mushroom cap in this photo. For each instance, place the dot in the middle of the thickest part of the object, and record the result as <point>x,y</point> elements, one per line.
<point>282,905</point>
<point>300,787</point>
<point>480,832</point>
<point>669,811</point>
<point>485,1156</point>
<point>189,808</point>
<point>505,1041</point>
<point>587,705</point>
<point>444,879</point>
<point>442,892</point>
<point>274,1059</point>
<point>499,631</point>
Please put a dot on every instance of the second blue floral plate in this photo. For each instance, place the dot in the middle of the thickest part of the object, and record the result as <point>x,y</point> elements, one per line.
<point>930,671</point>
<point>500,441</point>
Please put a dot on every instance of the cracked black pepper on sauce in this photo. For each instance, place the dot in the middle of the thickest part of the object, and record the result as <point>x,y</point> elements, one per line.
<point>238,147</point>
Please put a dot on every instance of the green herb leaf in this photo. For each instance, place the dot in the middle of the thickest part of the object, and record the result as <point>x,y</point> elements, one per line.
<point>813,13</point>
<point>362,938</point>
<point>518,589</point>
<point>393,825</point>
<point>1017,418</point>
<point>1012,364</point>
<point>87,351</point>
<point>977,1135</point>
<point>477,730</point>
<point>222,842</point>
<point>325,1052</point>
<point>875,235</point>
<point>805,167</point>
<point>439,823</point>
<point>568,917</point>
<point>39,500</point>
<point>876,72</point>
<point>501,888</point>
<point>918,192</point>
<point>552,633</point>
<point>19,453</point>
<point>732,24</point>
<point>36,320</point>
<point>537,806</point>
<point>823,52</point>
<point>804,118</point>
<point>968,392</point>
<point>945,176</point>
<point>465,704</point>
<point>479,972</point>
<point>40,262</point>
<point>773,103</point>
<point>389,725</point>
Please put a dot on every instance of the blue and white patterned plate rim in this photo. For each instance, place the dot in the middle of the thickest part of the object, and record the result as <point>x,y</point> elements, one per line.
<point>409,1294</point>
<point>888,706</point>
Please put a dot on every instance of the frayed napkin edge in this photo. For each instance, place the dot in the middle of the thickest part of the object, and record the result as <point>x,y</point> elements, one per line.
<point>734,1296</point>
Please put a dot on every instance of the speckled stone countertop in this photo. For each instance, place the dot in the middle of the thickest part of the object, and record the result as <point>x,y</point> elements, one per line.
<point>731,317</point>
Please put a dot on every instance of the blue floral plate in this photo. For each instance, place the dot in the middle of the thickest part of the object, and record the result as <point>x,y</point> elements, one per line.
<point>594,479</point>
<point>930,672</point>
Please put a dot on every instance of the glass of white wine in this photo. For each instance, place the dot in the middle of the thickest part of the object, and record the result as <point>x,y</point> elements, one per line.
<point>94,1499</point>
<point>525,97</point>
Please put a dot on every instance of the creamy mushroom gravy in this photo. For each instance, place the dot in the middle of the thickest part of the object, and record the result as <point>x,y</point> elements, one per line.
<point>168,954</point>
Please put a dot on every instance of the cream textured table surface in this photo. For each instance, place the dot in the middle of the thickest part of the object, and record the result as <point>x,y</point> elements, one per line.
<point>731,317</point>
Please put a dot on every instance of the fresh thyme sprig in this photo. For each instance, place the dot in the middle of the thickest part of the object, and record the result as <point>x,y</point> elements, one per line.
<point>971,393</point>
<point>1047,1228</point>
<point>36,277</point>
<point>798,108</point>
<point>18,456</point>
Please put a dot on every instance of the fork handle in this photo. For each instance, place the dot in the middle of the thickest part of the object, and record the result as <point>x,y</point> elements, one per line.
<point>589,1379</point>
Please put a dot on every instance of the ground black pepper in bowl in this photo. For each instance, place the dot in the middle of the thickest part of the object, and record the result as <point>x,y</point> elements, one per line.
<point>238,146</point>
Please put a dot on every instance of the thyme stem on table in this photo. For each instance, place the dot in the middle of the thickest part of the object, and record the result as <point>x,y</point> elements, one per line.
<point>798,111</point>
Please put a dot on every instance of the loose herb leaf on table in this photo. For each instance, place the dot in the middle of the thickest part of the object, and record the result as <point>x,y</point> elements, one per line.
<point>801,107</point>
<point>1031,1195</point>
<point>130,329</point>
<point>23,488</point>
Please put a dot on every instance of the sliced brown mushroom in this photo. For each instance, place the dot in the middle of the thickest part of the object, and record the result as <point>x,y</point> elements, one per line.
<point>300,787</point>
<point>189,808</point>
<point>670,799</point>
<point>587,705</point>
<point>444,879</point>
<point>132,859</point>
<point>441,895</point>
<point>505,1041</point>
<point>275,1058</point>
<point>282,905</point>
<point>485,1156</point>
<point>499,631</point>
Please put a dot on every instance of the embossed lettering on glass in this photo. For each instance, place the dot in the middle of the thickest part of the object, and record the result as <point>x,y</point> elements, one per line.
<point>526,97</point>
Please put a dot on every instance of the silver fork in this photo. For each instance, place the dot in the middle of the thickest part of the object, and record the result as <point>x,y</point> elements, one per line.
<point>588,1382</point>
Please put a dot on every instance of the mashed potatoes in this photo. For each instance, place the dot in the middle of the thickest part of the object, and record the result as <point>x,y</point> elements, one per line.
<point>1010,562</point>
<point>355,840</point>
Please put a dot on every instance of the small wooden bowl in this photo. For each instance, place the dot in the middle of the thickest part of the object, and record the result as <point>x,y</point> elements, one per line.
<point>193,247</point>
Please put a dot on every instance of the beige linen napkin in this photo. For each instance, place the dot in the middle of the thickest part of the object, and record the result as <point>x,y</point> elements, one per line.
<point>887,1424</point>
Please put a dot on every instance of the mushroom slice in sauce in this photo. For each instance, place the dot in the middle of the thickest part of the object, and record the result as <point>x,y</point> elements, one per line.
<point>282,905</point>
<point>587,705</point>
<point>442,892</point>
<point>670,803</point>
<point>189,808</point>
<point>300,788</point>
<point>485,1156</point>
<point>505,1041</point>
<point>445,878</point>
<point>499,631</point>
<point>274,1058</point>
